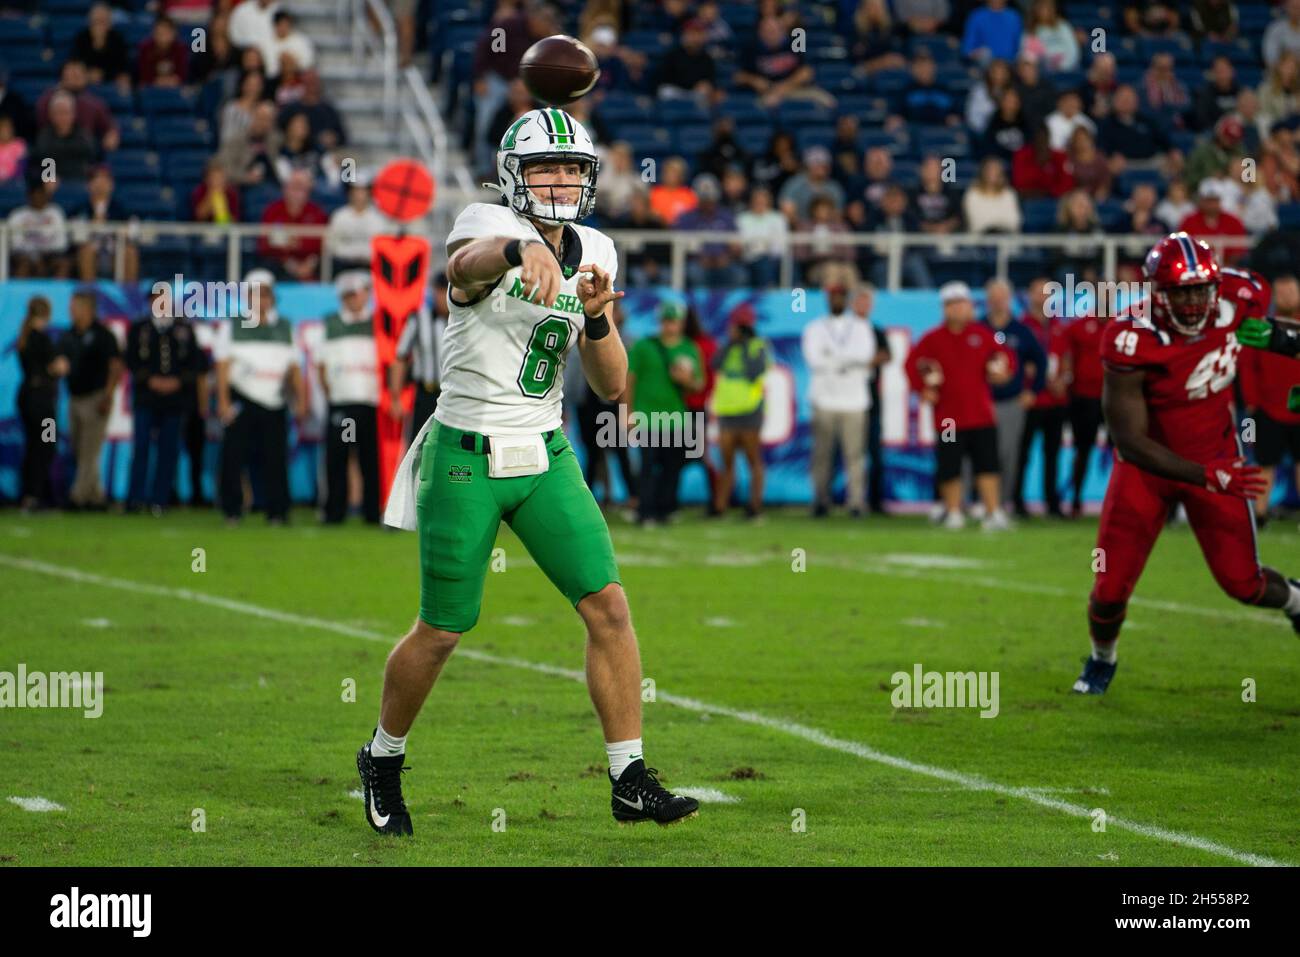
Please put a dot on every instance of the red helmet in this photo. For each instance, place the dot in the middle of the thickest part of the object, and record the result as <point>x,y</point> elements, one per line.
<point>1184,281</point>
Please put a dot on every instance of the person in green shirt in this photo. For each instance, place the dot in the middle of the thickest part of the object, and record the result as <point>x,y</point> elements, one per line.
<point>661,370</point>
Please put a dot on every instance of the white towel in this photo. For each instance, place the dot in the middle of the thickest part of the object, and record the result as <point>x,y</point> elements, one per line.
<point>400,510</point>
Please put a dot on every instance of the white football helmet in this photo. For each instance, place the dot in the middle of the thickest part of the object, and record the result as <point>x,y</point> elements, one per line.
<point>546,134</point>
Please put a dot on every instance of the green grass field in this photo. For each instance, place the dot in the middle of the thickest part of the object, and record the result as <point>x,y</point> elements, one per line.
<point>225,692</point>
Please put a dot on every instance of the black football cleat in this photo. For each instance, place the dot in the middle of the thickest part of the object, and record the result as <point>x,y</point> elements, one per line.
<point>381,785</point>
<point>1096,676</point>
<point>638,796</point>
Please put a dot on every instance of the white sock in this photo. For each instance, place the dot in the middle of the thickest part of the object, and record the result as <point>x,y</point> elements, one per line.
<point>1105,651</point>
<point>385,745</point>
<point>621,754</point>
<point>1292,606</point>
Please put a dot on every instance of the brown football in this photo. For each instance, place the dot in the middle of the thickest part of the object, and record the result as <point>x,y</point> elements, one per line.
<point>558,70</point>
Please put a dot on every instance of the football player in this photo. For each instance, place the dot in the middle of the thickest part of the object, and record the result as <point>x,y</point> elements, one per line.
<point>1167,398</point>
<point>525,283</point>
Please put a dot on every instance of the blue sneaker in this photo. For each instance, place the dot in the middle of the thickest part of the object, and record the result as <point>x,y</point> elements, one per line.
<point>1096,676</point>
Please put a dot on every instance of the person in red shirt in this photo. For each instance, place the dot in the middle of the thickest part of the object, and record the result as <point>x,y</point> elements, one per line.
<point>1266,379</point>
<point>1211,220</point>
<point>952,367</point>
<point>698,402</point>
<point>1038,171</point>
<point>1049,410</point>
<point>1083,371</point>
<point>293,256</point>
<point>162,60</point>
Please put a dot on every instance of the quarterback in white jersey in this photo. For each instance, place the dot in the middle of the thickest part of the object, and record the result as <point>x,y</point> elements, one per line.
<point>527,288</point>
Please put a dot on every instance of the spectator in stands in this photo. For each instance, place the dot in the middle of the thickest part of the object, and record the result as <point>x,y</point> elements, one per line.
<point>61,148</point>
<point>735,189</point>
<point>1066,118</point>
<point>252,61</point>
<point>237,114</point>
<point>922,17</point>
<point>982,101</point>
<point>327,129</point>
<point>1283,34</point>
<point>953,367</point>
<point>992,32</point>
<point>724,150</point>
<point>1162,89</point>
<point>1142,216</point>
<point>620,68</point>
<point>895,216</point>
<point>1100,83</point>
<point>688,69</point>
<point>1210,220</point>
<point>94,369</point>
<point>14,106</point>
<point>295,256</point>
<point>618,181</point>
<point>219,60</point>
<point>936,200</point>
<point>249,158</point>
<point>838,349</point>
<point>1247,114</point>
<point>800,190</point>
<point>1176,205</point>
<point>874,42</point>
<point>1050,36</point>
<point>845,151</point>
<point>96,245</point>
<point>775,72</point>
<point>989,204</point>
<point>1088,166</point>
<point>297,150</point>
<point>716,30</point>
<point>214,200</point>
<point>13,152</point>
<point>823,255</point>
<point>512,30</point>
<point>1216,153</point>
<point>353,226</point>
<point>162,60</point>
<point>252,23</point>
<point>763,231</point>
<point>38,398</point>
<point>1038,170</point>
<point>1255,203</point>
<point>672,197</point>
<point>287,41</point>
<point>1076,215</point>
<point>649,265</point>
<point>1007,130</point>
<point>1127,136</point>
<point>290,85</point>
<point>713,265</point>
<point>1217,97</point>
<point>102,48</point>
<point>1048,413</point>
<point>1014,398</point>
<point>518,101</point>
<point>93,116</point>
<point>925,101</point>
<point>1038,94</point>
<point>779,163</point>
<point>38,234</point>
<point>1279,93</point>
<point>741,365</point>
<point>257,368</point>
<point>1145,18</point>
<point>1214,20</point>
<point>866,191</point>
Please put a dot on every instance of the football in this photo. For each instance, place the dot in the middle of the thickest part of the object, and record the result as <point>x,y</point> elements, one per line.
<point>558,70</point>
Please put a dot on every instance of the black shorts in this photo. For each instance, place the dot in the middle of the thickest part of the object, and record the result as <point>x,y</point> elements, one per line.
<point>1274,440</point>
<point>978,445</point>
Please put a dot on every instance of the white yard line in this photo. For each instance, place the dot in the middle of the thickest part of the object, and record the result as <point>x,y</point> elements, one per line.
<point>36,805</point>
<point>966,782</point>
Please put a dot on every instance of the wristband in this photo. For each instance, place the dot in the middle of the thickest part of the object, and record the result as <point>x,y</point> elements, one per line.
<point>514,251</point>
<point>597,328</point>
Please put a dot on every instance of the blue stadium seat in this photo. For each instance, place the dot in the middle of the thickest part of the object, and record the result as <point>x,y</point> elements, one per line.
<point>1288,216</point>
<point>692,138</point>
<point>134,133</point>
<point>183,169</point>
<point>119,104</point>
<point>1112,215</point>
<point>754,140</point>
<point>739,16</point>
<point>890,83</point>
<point>67,7</point>
<point>1038,215</point>
<point>256,199</point>
<point>16,34</point>
<point>1132,177</point>
<point>1180,46</point>
<point>798,112</point>
<point>134,166</point>
<point>816,134</point>
<point>165,101</point>
<point>894,142</point>
<point>647,41</point>
<point>12,195</point>
<point>684,110</point>
<point>837,77</point>
<point>33,60</point>
<point>147,201</point>
<point>943,48</point>
<point>69,196</point>
<point>1240,51</point>
<point>164,255</point>
<point>173,132</point>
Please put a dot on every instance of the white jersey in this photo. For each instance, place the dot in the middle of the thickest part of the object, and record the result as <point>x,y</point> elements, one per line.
<point>503,358</point>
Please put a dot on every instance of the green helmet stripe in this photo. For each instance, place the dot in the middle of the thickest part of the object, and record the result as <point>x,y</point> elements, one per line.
<point>509,142</point>
<point>562,132</point>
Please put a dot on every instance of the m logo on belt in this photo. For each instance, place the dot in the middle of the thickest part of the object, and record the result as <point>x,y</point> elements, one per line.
<point>459,473</point>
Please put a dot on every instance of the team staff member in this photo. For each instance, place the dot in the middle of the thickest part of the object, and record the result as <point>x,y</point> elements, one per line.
<point>257,369</point>
<point>95,368</point>
<point>1083,338</point>
<point>1049,410</point>
<point>38,399</point>
<point>194,429</point>
<point>349,374</point>
<point>741,366</point>
<point>838,349</point>
<point>1266,380</point>
<point>1013,400</point>
<point>952,368</point>
<point>163,357</point>
<point>419,358</point>
<point>862,305</point>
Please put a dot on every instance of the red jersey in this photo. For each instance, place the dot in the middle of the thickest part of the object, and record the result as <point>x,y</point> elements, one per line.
<point>1051,336</point>
<point>1083,339</point>
<point>964,395</point>
<point>286,246</point>
<point>1194,224</point>
<point>1189,379</point>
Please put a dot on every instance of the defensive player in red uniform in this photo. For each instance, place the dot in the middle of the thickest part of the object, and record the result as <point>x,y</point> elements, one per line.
<point>1167,398</point>
<point>1266,381</point>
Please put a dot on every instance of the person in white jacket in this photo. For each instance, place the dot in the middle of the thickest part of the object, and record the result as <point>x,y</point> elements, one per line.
<point>838,349</point>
